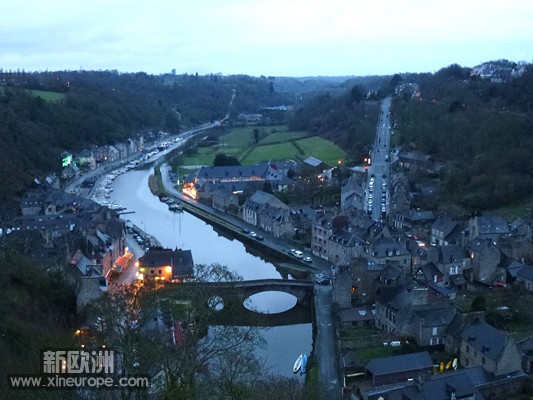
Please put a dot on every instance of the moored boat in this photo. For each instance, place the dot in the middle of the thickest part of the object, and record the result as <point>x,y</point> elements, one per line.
<point>304,364</point>
<point>175,207</point>
<point>298,364</point>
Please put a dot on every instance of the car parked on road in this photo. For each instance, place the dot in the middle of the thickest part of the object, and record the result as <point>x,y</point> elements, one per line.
<point>298,254</point>
<point>322,279</point>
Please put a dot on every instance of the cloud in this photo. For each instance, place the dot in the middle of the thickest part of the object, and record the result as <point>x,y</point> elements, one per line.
<point>243,36</point>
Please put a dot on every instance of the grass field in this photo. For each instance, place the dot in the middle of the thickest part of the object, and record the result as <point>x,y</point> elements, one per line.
<point>519,209</point>
<point>48,96</point>
<point>276,143</point>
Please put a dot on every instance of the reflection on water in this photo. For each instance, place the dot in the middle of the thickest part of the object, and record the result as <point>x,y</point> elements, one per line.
<point>283,346</point>
<point>183,230</point>
<point>272,302</point>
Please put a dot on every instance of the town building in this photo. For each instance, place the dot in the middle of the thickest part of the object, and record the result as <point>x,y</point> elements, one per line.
<point>267,212</point>
<point>166,264</point>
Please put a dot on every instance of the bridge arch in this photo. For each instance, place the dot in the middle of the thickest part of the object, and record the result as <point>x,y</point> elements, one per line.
<point>234,294</point>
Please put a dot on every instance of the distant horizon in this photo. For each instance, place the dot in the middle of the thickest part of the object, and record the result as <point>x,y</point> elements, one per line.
<point>14,70</point>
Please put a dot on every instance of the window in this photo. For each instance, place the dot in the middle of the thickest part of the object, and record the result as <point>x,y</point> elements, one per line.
<point>434,331</point>
<point>454,270</point>
<point>467,349</point>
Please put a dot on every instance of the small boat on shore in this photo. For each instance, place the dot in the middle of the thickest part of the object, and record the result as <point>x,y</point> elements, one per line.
<point>298,364</point>
<point>304,364</point>
<point>175,207</point>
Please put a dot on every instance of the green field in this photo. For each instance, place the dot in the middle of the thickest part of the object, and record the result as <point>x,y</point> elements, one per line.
<point>43,94</point>
<point>47,96</point>
<point>519,209</point>
<point>276,143</point>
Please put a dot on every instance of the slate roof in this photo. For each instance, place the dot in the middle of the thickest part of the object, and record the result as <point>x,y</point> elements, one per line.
<point>429,270</point>
<point>357,314</point>
<point>517,224</point>
<point>402,391</point>
<point>233,171</point>
<point>390,272</point>
<point>444,224</point>
<point>457,233</point>
<point>514,267</point>
<point>485,338</point>
<point>398,297</point>
<point>526,272</point>
<point>452,253</point>
<point>463,382</point>
<point>346,239</point>
<point>312,161</point>
<point>420,215</point>
<point>401,363</point>
<point>479,245</point>
<point>441,387</point>
<point>180,261</point>
<point>235,186</point>
<point>437,316</point>
<point>81,262</point>
<point>382,246</point>
<point>260,199</point>
<point>492,224</point>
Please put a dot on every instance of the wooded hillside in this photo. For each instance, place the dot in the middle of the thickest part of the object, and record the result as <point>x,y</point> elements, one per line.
<point>481,128</point>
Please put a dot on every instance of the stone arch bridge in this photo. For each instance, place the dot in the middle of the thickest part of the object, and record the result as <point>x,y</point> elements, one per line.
<point>234,294</point>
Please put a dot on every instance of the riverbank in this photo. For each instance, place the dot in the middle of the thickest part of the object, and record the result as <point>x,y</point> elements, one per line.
<point>235,227</point>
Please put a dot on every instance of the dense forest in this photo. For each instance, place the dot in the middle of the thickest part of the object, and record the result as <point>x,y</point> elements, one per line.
<point>38,313</point>
<point>481,128</point>
<point>43,114</point>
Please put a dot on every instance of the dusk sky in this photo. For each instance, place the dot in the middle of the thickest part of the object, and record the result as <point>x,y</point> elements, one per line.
<point>271,38</point>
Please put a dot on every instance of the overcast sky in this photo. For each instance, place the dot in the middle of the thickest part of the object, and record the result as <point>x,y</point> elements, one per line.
<point>258,37</point>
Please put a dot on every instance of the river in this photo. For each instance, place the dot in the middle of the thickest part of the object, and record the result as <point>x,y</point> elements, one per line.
<point>183,230</point>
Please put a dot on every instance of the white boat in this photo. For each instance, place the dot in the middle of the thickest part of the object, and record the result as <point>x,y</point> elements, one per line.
<point>304,364</point>
<point>175,207</point>
<point>298,364</point>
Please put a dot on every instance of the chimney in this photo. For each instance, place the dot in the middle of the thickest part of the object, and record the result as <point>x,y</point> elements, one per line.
<point>419,296</point>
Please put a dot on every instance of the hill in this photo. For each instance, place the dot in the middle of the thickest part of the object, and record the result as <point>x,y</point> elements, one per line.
<point>45,113</point>
<point>479,125</point>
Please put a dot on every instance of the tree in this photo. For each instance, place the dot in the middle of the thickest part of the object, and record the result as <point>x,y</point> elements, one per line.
<point>256,135</point>
<point>479,303</point>
<point>395,81</point>
<point>357,94</point>
<point>196,359</point>
<point>222,159</point>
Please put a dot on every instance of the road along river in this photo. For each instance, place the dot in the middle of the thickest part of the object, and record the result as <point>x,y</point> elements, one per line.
<point>183,230</point>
